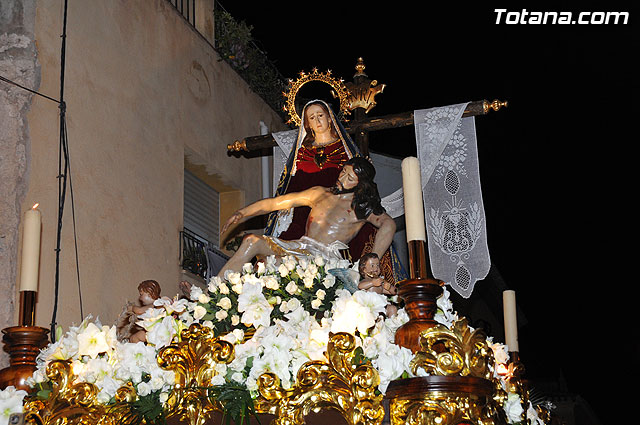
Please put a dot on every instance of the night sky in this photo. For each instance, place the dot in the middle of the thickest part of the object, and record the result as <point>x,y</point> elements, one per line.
<point>554,164</point>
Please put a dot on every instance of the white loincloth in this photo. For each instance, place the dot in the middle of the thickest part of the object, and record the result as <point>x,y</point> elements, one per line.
<point>305,246</point>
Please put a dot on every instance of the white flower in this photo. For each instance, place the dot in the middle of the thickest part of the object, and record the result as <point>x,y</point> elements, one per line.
<point>329,280</point>
<point>214,282</point>
<point>499,352</point>
<point>237,288</point>
<point>319,261</point>
<point>224,289</point>
<point>270,282</point>
<point>316,303</point>
<point>359,311</point>
<point>233,277</point>
<point>271,263</point>
<point>164,396</point>
<point>321,294</point>
<point>293,304</point>
<point>391,364</point>
<point>195,293</point>
<point>235,319</point>
<point>239,334</point>
<point>221,315</point>
<point>92,341</point>
<point>247,267</point>
<point>513,408</point>
<point>204,298</point>
<point>199,312</point>
<point>289,262</point>
<point>143,389</point>
<point>261,268</point>
<point>308,282</point>
<point>225,303</point>
<point>10,402</point>
<point>208,324</point>
<point>376,303</point>
<point>108,388</point>
<point>162,333</point>
<point>283,270</point>
<point>254,306</point>
<point>291,287</point>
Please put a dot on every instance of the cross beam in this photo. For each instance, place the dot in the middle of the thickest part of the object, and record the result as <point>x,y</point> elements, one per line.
<point>362,127</point>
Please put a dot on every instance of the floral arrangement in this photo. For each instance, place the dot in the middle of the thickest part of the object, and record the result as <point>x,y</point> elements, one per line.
<point>278,315</point>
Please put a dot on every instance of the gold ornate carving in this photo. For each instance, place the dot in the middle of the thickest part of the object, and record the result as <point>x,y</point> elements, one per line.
<point>339,91</point>
<point>338,384</point>
<point>193,361</point>
<point>495,105</point>
<point>238,146</point>
<point>442,408</point>
<point>362,94</point>
<point>454,352</point>
<point>70,404</point>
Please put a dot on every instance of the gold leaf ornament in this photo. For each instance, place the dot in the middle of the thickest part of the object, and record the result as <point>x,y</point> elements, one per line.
<point>336,384</point>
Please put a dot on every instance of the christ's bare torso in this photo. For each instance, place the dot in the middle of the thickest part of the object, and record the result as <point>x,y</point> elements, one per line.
<point>332,218</point>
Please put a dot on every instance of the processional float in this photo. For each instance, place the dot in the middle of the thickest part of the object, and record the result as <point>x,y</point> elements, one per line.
<point>454,368</point>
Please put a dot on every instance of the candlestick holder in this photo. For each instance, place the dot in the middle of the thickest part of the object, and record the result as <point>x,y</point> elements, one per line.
<point>23,343</point>
<point>419,293</point>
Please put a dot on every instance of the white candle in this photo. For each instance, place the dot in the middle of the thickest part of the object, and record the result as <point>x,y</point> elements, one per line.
<point>30,250</point>
<point>510,320</point>
<point>412,192</point>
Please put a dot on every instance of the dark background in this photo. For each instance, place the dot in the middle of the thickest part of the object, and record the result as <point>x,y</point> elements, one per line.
<point>555,164</point>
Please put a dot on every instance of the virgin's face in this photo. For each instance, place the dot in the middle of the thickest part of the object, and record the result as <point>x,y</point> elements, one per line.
<point>318,119</point>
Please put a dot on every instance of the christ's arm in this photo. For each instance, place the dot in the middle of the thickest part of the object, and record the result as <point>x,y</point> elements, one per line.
<point>384,236</point>
<point>282,202</point>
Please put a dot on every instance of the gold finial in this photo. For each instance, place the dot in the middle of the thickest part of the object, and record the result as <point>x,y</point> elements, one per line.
<point>495,105</point>
<point>360,68</point>
<point>238,146</point>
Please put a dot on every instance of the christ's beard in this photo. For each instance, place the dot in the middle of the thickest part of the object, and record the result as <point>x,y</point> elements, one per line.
<point>339,190</point>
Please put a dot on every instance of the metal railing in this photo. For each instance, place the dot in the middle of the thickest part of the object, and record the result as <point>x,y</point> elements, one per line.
<point>193,251</point>
<point>187,8</point>
<point>236,46</point>
<point>199,256</point>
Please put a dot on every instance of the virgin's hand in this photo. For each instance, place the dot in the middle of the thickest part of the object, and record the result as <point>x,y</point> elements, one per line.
<point>236,217</point>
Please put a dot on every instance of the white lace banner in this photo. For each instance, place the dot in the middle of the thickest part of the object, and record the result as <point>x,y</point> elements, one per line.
<point>454,212</point>
<point>285,141</point>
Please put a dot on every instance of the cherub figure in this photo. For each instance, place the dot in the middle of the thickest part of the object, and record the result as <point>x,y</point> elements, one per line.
<point>127,330</point>
<point>371,279</point>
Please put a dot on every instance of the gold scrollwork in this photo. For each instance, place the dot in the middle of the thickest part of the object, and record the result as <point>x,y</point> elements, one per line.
<point>457,351</point>
<point>339,91</point>
<point>71,404</point>
<point>193,361</point>
<point>338,384</point>
<point>443,409</point>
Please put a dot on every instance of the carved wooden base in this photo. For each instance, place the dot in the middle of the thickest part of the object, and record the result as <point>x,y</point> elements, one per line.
<point>419,296</point>
<point>23,343</point>
<point>443,400</point>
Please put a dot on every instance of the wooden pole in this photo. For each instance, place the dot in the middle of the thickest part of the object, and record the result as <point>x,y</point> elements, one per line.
<point>362,127</point>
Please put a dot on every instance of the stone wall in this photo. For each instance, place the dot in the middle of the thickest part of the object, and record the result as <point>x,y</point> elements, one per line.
<point>18,63</point>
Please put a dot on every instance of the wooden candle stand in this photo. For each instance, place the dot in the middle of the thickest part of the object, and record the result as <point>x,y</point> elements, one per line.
<point>23,343</point>
<point>419,293</point>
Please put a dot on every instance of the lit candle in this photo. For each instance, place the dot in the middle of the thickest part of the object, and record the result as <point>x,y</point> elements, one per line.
<point>412,192</point>
<point>510,320</point>
<point>30,250</point>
